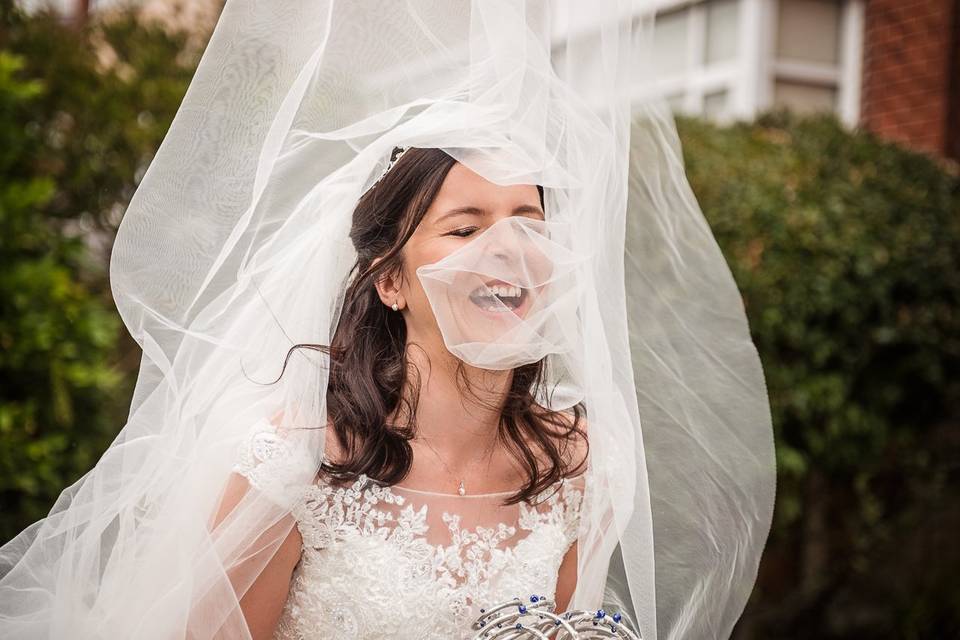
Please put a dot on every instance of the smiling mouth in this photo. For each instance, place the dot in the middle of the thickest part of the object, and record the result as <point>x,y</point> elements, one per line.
<point>498,297</point>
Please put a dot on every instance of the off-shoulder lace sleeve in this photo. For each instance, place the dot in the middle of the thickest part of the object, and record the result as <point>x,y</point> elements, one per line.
<point>274,464</point>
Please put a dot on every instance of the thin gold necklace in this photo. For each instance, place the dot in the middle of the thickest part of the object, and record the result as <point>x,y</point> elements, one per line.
<point>460,488</point>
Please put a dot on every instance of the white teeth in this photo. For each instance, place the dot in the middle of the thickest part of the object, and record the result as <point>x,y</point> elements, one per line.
<point>502,291</point>
<point>497,298</point>
<point>505,291</point>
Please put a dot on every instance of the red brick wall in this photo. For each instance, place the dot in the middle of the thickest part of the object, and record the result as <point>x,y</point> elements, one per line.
<point>953,114</point>
<point>910,70</point>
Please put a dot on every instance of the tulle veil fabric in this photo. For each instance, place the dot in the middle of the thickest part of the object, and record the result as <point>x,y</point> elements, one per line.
<point>235,247</point>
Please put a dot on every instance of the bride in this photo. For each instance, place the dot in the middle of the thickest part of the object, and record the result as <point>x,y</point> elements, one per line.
<point>461,439</point>
<point>436,342</point>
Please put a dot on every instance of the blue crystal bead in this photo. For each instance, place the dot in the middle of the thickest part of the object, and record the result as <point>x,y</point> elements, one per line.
<point>616,617</point>
<point>601,613</point>
<point>534,599</point>
<point>522,609</point>
<point>519,626</point>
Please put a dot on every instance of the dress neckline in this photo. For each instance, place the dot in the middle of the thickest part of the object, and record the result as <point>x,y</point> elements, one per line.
<point>365,477</point>
<point>324,458</point>
<point>560,482</point>
<point>452,495</point>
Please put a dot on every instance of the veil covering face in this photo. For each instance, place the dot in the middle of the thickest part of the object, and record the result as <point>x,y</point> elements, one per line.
<point>509,297</point>
<point>235,247</point>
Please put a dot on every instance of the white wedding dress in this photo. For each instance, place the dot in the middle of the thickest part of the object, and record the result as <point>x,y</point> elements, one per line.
<point>392,562</point>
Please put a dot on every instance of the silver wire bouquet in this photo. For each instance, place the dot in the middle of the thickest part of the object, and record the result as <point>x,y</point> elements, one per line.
<point>516,619</point>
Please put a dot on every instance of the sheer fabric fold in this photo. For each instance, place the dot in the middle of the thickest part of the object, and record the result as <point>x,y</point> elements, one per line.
<point>235,247</point>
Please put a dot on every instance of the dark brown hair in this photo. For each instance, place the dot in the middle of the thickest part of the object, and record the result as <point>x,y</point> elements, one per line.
<point>368,352</point>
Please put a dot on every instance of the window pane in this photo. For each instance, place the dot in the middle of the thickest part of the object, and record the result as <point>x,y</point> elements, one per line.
<point>804,98</point>
<point>722,18</point>
<point>808,30</point>
<point>670,42</point>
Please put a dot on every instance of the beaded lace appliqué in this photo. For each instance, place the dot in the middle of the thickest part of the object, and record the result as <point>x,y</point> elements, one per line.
<point>368,571</point>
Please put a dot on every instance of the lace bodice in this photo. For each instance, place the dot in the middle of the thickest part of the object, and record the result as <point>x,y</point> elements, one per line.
<point>394,562</point>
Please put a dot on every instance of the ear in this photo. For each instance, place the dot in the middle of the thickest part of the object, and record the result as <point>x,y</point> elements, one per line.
<point>388,288</point>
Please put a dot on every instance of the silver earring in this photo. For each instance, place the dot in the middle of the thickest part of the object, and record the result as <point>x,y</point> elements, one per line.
<point>394,306</point>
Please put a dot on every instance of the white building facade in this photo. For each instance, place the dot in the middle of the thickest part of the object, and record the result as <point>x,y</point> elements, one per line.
<point>732,59</point>
<point>722,59</point>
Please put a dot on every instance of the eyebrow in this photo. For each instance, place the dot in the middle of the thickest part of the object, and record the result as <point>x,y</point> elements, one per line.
<point>477,211</point>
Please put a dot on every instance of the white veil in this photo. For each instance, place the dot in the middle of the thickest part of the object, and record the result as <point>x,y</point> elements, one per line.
<point>235,247</point>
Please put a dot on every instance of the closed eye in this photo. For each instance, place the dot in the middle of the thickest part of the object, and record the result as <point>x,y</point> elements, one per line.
<point>462,232</point>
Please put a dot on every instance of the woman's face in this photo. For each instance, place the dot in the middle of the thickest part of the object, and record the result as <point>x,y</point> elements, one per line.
<point>465,206</point>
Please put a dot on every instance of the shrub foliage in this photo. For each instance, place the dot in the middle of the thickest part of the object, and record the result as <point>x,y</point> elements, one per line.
<point>847,251</point>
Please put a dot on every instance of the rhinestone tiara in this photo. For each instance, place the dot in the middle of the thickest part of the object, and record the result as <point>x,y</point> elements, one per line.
<point>395,155</point>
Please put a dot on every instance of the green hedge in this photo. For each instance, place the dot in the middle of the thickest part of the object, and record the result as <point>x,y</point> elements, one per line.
<point>74,137</point>
<point>847,251</point>
<point>56,336</point>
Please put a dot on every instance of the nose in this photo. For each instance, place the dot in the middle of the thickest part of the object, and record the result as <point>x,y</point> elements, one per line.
<point>502,253</point>
<point>508,241</point>
<point>506,247</point>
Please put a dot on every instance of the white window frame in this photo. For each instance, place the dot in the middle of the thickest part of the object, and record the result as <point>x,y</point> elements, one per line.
<point>845,76</point>
<point>750,77</point>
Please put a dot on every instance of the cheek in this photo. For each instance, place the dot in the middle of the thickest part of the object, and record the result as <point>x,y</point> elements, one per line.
<point>419,310</point>
<point>412,289</point>
<point>422,253</point>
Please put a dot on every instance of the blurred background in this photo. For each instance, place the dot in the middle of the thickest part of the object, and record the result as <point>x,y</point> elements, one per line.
<point>822,139</point>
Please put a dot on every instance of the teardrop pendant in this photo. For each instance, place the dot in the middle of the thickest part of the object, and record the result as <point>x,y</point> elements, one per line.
<point>461,490</point>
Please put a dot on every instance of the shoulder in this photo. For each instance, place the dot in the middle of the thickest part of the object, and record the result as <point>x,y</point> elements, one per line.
<point>333,449</point>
